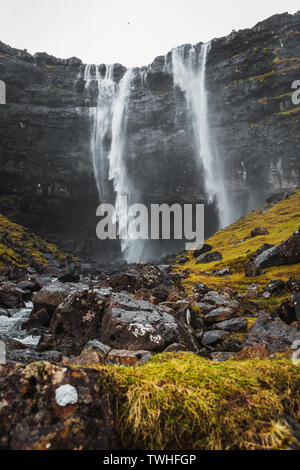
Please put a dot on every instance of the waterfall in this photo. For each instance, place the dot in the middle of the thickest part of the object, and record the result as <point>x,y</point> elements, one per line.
<point>189,71</point>
<point>117,169</point>
<point>108,102</point>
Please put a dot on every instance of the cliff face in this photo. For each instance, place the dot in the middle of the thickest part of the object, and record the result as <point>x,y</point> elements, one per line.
<point>47,179</point>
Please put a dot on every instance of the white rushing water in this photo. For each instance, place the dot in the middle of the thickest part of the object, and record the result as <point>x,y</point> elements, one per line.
<point>189,70</point>
<point>12,326</point>
<point>108,140</point>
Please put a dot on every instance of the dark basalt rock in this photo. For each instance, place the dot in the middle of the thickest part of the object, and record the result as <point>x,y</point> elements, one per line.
<point>257,232</point>
<point>81,419</point>
<point>211,338</point>
<point>293,284</point>
<point>200,288</point>
<point>76,321</point>
<point>137,325</point>
<point>287,311</point>
<point>235,324</point>
<point>276,286</point>
<point>287,252</point>
<point>218,315</point>
<point>209,257</point>
<point>11,296</point>
<point>205,249</point>
<point>273,334</point>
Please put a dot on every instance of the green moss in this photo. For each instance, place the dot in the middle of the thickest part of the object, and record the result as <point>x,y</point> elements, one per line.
<point>182,401</point>
<point>18,246</point>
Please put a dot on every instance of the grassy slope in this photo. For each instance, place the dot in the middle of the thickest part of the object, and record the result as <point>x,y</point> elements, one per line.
<point>281,221</point>
<point>19,247</point>
<point>182,401</point>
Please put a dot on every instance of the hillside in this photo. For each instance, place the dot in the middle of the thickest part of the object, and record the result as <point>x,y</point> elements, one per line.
<point>21,248</point>
<point>236,246</point>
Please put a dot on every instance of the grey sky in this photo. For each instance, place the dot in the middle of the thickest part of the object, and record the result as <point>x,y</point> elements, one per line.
<point>132,32</point>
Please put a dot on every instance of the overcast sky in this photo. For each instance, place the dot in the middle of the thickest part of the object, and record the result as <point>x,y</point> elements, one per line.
<point>132,32</point>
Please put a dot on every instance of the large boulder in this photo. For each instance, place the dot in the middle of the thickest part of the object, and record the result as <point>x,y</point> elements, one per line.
<point>50,297</point>
<point>286,253</point>
<point>137,325</point>
<point>44,407</point>
<point>209,257</point>
<point>275,335</point>
<point>11,296</point>
<point>76,321</point>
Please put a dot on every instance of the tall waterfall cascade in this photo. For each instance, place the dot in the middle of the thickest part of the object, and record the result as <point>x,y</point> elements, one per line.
<point>108,139</point>
<point>189,72</point>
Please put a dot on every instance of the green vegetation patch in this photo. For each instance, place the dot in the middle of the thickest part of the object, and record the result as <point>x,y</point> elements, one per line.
<point>182,401</point>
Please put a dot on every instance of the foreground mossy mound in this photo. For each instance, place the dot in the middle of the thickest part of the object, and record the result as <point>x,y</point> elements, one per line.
<point>281,221</point>
<point>20,247</point>
<point>182,401</point>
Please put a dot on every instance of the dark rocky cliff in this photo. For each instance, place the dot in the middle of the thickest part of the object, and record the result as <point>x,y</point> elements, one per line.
<point>46,172</point>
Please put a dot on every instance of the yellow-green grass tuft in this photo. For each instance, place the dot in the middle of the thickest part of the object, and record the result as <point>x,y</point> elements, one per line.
<point>182,401</point>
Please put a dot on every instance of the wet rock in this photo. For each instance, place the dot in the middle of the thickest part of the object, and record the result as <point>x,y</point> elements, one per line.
<point>50,296</point>
<point>205,249</point>
<point>287,311</point>
<point>98,347</point>
<point>4,313</point>
<point>273,334</point>
<point>38,319</point>
<point>211,338</point>
<point>127,358</point>
<point>46,406</point>
<point>286,253</point>
<point>222,356</point>
<point>293,284</point>
<point>276,286</point>
<point>28,356</point>
<point>220,299</point>
<point>203,308</point>
<point>253,291</point>
<point>28,286</point>
<point>233,325</point>
<point>296,301</point>
<point>200,288</point>
<point>222,272</point>
<point>10,296</point>
<point>10,343</point>
<point>76,321</point>
<point>86,358</point>
<point>218,315</point>
<point>70,274</point>
<point>137,325</point>
<point>209,257</point>
<point>175,347</point>
<point>257,232</point>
